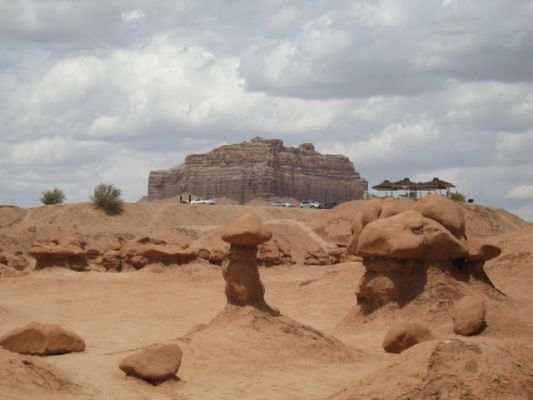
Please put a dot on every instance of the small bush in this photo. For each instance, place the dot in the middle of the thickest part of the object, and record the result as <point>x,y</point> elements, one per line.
<point>107,198</point>
<point>55,196</point>
<point>458,197</point>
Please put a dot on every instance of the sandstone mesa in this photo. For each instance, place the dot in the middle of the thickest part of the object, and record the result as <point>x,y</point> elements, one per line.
<point>261,168</point>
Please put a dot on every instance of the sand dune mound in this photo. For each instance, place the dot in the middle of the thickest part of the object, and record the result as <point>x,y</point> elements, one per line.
<point>139,218</point>
<point>270,339</point>
<point>449,370</point>
<point>25,377</point>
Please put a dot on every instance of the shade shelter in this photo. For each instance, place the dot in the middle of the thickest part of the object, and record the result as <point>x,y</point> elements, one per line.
<point>385,186</point>
<point>408,186</point>
<point>411,188</point>
<point>435,184</point>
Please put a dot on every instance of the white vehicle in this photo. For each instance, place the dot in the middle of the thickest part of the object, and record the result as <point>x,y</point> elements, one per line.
<point>203,201</point>
<point>309,204</point>
<point>281,204</point>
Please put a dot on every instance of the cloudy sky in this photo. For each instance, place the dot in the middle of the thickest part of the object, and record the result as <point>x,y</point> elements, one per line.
<point>104,91</point>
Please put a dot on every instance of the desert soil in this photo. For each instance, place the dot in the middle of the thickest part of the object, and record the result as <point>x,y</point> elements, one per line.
<point>236,356</point>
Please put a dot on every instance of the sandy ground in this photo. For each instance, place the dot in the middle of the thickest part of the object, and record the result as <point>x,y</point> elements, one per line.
<point>236,356</point>
<point>118,312</point>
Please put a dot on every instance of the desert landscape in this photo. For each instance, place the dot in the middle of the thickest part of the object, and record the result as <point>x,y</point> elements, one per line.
<point>377,299</point>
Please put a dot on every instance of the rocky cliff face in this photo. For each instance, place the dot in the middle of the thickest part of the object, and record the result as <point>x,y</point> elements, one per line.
<point>261,168</point>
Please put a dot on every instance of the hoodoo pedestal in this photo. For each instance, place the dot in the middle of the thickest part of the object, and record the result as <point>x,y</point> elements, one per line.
<point>243,284</point>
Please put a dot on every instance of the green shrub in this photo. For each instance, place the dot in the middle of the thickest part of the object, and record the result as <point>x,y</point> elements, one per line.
<point>55,196</point>
<point>107,198</point>
<point>458,197</point>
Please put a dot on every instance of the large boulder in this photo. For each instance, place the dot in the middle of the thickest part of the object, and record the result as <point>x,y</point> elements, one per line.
<point>446,212</point>
<point>409,235</point>
<point>400,236</point>
<point>247,230</point>
<point>468,315</point>
<point>155,363</point>
<point>42,339</point>
<point>404,336</point>
<point>368,212</point>
<point>391,207</point>
<point>440,244</point>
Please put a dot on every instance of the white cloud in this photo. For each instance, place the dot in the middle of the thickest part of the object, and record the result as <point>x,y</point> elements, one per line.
<point>521,192</point>
<point>395,142</point>
<point>132,15</point>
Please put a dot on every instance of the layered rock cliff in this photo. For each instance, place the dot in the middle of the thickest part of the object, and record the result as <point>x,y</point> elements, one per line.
<point>258,168</point>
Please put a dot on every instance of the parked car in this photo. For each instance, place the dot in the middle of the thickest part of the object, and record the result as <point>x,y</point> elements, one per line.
<point>281,204</point>
<point>203,201</point>
<point>309,204</point>
<point>329,205</point>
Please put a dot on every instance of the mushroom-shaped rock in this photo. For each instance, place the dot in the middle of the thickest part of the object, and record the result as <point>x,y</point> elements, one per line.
<point>400,236</point>
<point>247,230</point>
<point>479,250</point>
<point>404,336</point>
<point>156,363</point>
<point>468,315</point>
<point>446,212</point>
<point>42,339</point>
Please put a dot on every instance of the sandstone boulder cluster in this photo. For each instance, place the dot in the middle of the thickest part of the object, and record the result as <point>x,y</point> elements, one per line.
<point>402,239</point>
<point>400,243</point>
<point>114,253</point>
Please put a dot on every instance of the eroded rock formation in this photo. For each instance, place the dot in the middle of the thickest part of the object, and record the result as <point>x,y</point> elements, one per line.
<point>243,284</point>
<point>409,248</point>
<point>261,167</point>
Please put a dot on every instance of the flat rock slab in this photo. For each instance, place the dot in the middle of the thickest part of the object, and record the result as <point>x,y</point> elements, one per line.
<point>42,339</point>
<point>154,364</point>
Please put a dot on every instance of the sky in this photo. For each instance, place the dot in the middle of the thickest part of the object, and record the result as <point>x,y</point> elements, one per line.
<point>104,91</point>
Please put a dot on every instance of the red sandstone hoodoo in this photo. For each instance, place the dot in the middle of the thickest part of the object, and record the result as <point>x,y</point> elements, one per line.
<point>243,285</point>
<point>418,253</point>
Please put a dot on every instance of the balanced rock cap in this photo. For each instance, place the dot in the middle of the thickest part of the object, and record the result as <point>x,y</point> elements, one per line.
<point>247,230</point>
